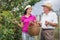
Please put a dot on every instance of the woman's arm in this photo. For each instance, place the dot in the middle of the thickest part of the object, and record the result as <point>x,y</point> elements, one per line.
<point>19,24</point>
<point>16,22</point>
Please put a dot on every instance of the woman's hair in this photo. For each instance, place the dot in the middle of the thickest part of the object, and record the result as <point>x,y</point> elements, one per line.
<point>25,12</point>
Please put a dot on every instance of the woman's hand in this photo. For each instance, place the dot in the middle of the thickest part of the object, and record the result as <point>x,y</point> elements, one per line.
<point>16,22</point>
<point>39,23</point>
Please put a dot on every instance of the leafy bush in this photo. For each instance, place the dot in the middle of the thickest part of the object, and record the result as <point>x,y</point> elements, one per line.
<point>7,28</point>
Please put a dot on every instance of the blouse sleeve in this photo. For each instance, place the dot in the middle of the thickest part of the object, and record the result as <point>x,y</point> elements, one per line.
<point>22,19</point>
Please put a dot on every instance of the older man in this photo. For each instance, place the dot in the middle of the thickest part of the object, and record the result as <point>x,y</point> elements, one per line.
<point>48,22</point>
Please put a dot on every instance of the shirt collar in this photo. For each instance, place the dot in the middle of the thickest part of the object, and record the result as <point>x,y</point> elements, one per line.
<point>29,16</point>
<point>48,13</point>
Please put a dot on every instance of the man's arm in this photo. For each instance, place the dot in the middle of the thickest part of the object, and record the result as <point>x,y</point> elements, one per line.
<point>50,23</point>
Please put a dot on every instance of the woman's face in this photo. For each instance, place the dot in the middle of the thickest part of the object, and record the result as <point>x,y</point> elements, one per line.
<point>29,10</point>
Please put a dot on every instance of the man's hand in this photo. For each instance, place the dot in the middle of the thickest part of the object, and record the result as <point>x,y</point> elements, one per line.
<point>46,23</point>
<point>50,23</point>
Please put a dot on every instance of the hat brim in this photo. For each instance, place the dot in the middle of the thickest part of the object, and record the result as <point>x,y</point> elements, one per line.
<point>46,6</point>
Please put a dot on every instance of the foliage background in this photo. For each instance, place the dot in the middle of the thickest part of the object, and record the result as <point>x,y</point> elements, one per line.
<point>9,10</point>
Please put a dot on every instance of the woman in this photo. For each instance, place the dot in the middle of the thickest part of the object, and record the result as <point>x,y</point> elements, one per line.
<point>25,20</point>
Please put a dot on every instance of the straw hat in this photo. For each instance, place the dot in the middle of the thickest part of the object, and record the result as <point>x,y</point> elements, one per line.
<point>28,6</point>
<point>49,5</point>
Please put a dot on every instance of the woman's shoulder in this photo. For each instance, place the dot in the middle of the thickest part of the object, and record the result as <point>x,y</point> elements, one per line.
<point>22,16</point>
<point>33,15</point>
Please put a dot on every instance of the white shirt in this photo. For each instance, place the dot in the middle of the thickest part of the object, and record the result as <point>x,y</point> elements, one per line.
<point>51,17</point>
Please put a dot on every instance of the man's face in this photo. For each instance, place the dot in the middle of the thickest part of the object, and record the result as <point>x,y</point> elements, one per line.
<point>45,9</point>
